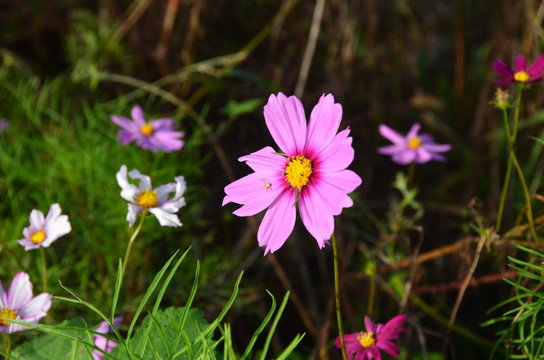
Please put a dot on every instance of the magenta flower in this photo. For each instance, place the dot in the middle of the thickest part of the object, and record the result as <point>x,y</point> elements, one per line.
<point>18,304</point>
<point>43,231</point>
<point>152,135</point>
<point>144,197</point>
<point>413,147</point>
<point>369,344</point>
<point>310,171</point>
<point>522,73</point>
<point>102,342</point>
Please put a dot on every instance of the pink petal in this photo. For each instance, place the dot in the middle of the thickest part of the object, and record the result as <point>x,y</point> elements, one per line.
<point>520,64</point>
<point>3,296</point>
<point>36,219</point>
<point>286,122</point>
<point>537,69</point>
<point>315,213</point>
<point>389,348</point>
<point>36,308</point>
<point>422,156</point>
<point>167,141</point>
<point>165,124</point>
<point>265,159</point>
<point>125,123</point>
<point>502,69</point>
<point>391,134</point>
<point>20,291</point>
<point>391,149</point>
<point>413,131</point>
<point>504,82</point>
<point>255,191</point>
<point>346,180</point>
<point>369,324</point>
<point>138,116</point>
<point>278,222</point>
<point>392,329</point>
<point>324,122</point>
<point>405,157</point>
<point>337,155</point>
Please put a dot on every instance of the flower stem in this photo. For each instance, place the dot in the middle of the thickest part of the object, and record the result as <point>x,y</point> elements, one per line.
<point>509,163</point>
<point>523,184</point>
<point>337,293</point>
<point>130,241</point>
<point>44,269</point>
<point>410,174</point>
<point>6,339</point>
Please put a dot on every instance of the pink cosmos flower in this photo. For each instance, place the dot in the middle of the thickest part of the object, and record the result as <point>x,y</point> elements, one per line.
<point>412,147</point>
<point>152,135</point>
<point>522,72</point>
<point>102,342</point>
<point>18,304</point>
<point>43,231</point>
<point>310,171</point>
<point>369,344</point>
<point>144,197</point>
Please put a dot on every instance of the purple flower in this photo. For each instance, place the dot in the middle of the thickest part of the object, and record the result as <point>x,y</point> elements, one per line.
<point>4,125</point>
<point>18,304</point>
<point>144,197</point>
<point>102,342</point>
<point>369,344</point>
<point>522,73</point>
<point>413,147</point>
<point>152,135</point>
<point>43,231</point>
<point>310,171</point>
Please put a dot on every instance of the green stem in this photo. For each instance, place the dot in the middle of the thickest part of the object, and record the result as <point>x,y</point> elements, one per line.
<point>371,294</point>
<point>509,164</point>
<point>523,183</point>
<point>131,240</point>
<point>44,269</point>
<point>6,339</point>
<point>337,293</point>
<point>410,174</point>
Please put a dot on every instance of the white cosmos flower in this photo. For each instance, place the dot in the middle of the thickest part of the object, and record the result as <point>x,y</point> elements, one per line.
<point>156,201</point>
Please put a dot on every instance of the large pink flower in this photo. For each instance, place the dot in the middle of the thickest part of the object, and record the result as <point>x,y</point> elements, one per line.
<point>369,344</point>
<point>152,135</point>
<point>18,304</point>
<point>310,171</point>
<point>522,72</point>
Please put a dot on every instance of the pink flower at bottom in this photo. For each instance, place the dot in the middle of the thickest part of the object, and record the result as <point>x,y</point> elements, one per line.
<point>369,344</point>
<point>310,171</point>
<point>152,135</point>
<point>18,304</point>
<point>102,342</point>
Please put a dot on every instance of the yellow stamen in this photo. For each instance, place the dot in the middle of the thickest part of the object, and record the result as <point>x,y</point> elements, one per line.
<point>147,199</point>
<point>146,129</point>
<point>367,339</point>
<point>7,313</point>
<point>38,237</point>
<point>522,76</point>
<point>414,143</point>
<point>298,171</point>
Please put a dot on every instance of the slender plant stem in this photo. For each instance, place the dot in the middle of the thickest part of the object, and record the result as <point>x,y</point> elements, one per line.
<point>522,181</point>
<point>371,293</point>
<point>6,339</point>
<point>337,293</point>
<point>131,240</point>
<point>509,163</point>
<point>44,269</point>
<point>410,174</point>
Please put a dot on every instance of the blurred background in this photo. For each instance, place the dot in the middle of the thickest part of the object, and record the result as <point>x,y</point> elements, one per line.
<point>67,65</point>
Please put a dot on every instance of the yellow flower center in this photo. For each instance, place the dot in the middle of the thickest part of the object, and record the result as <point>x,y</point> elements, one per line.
<point>522,76</point>
<point>367,339</point>
<point>298,171</point>
<point>147,199</point>
<point>7,313</point>
<point>38,237</point>
<point>414,143</point>
<point>146,129</point>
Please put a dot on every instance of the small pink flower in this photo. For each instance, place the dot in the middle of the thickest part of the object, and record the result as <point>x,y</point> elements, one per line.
<point>102,342</point>
<point>309,172</point>
<point>18,304</point>
<point>412,147</point>
<point>152,135</point>
<point>43,231</point>
<point>522,72</point>
<point>369,344</point>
